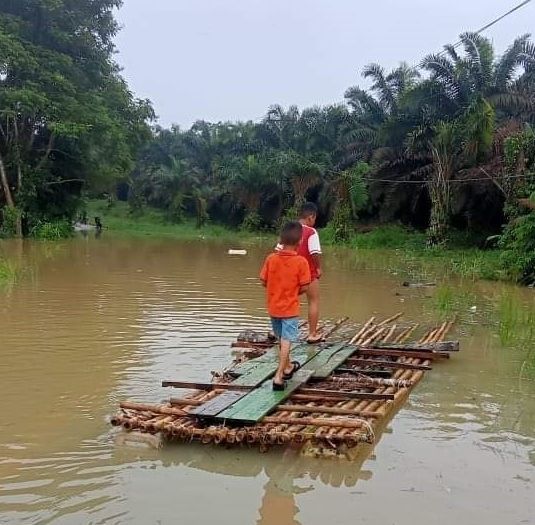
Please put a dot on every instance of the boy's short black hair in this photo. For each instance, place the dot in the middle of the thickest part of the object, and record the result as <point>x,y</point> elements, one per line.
<point>291,233</point>
<point>308,209</point>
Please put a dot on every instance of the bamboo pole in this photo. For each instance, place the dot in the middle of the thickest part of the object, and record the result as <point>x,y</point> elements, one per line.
<point>367,382</point>
<point>380,363</point>
<point>402,353</point>
<point>321,409</point>
<point>375,336</point>
<point>157,409</point>
<point>404,337</point>
<point>390,333</point>
<point>337,394</point>
<point>185,402</point>
<point>321,422</point>
<point>336,326</point>
<point>390,319</point>
<point>362,330</point>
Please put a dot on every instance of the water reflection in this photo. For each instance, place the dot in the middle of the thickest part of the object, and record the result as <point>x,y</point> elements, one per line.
<point>96,321</point>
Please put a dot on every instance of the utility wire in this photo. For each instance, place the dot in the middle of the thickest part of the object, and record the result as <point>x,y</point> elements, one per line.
<point>483,29</point>
<point>457,181</point>
<point>454,46</point>
<point>479,31</point>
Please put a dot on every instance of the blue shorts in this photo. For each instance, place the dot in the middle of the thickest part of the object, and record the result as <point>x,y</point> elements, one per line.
<point>287,329</point>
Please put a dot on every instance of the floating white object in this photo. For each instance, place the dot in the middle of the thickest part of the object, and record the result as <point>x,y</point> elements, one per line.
<point>237,252</point>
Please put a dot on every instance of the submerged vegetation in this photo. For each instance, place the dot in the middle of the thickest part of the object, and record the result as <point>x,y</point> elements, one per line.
<point>8,272</point>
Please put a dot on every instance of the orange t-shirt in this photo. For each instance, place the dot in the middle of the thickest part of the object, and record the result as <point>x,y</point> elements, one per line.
<point>284,273</point>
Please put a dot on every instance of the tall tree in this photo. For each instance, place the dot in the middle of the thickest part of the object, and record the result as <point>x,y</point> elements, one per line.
<point>66,115</point>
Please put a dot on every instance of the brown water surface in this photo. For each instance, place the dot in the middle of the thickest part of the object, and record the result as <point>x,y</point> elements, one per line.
<point>95,321</point>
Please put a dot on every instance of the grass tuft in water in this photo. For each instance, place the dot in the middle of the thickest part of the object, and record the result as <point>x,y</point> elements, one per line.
<point>516,329</point>
<point>445,300</point>
<point>8,272</point>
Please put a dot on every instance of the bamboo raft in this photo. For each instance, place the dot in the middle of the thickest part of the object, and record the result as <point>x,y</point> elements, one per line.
<point>347,390</point>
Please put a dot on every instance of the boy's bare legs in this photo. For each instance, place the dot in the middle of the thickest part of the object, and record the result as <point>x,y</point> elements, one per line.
<point>284,361</point>
<point>313,297</point>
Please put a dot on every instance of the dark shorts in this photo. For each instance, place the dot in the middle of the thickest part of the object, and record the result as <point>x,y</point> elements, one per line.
<point>287,329</point>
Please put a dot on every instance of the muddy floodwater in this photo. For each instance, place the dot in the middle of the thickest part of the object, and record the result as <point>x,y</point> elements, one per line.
<point>91,322</point>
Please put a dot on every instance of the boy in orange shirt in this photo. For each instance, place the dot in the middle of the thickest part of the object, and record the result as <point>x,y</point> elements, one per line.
<point>286,275</point>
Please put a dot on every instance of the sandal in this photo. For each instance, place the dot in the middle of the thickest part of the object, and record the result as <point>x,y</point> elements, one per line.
<point>319,339</point>
<point>279,387</point>
<point>296,365</point>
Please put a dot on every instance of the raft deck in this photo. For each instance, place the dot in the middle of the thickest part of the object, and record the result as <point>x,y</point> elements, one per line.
<point>343,395</point>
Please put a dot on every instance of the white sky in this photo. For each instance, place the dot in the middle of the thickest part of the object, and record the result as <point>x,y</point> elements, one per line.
<point>231,59</point>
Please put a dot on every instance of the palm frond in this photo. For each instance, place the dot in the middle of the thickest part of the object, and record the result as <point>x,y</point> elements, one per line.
<point>514,102</point>
<point>480,59</point>
<point>380,85</point>
<point>444,72</point>
<point>452,52</point>
<point>364,105</point>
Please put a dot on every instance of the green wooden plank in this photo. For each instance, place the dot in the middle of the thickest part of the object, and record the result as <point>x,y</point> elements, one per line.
<point>260,369</point>
<point>257,404</point>
<point>334,361</point>
<point>323,357</point>
<point>217,404</point>
<point>257,375</point>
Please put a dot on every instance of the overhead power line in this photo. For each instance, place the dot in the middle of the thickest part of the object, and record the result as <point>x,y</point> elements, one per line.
<point>483,29</point>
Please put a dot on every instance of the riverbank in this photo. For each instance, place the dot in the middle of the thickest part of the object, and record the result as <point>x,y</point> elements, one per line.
<point>391,248</point>
<point>151,222</point>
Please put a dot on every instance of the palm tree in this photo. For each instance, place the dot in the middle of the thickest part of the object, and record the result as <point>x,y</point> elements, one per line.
<point>346,194</point>
<point>456,80</point>
<point>300,173</point>
<point>249,180</point>
<point>378,114</point>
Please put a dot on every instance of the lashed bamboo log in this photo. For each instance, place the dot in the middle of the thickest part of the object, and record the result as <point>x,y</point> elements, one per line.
<point>434,346</point>
<point>185,402</point>
<point>380,363</point>
<point>324,394</point>
<point>362,330</point>
<point>405,336</point>
<point>320,422</point>
<point>390,333</point>
<point>321,409</point>
<point>205,386</point>
<point>390,319</point>
<point>157,409</point>
<point>402,353</point>
<point>336,326</point>
<point>367,382</point>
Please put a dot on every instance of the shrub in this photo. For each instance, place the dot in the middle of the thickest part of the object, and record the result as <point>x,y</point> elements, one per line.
<point>251,222</point>
<point>9,221</point>
<point>52,231</point>
<point>518,243</point>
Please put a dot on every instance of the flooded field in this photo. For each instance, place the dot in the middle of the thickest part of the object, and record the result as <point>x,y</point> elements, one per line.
<point>91,322</point>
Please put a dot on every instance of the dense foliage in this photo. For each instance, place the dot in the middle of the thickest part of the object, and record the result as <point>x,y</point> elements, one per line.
<point>427,146</point>
<point>446,145</point>
<point>67,118</point>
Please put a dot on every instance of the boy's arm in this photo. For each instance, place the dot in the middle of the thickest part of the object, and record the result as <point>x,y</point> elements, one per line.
<point>314,248</point>
<point>316,257</point>
<point>304,277</point>
<point>264,273</point>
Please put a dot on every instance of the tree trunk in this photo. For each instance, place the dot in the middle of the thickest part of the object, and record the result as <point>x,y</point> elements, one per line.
<point>9,199</point>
